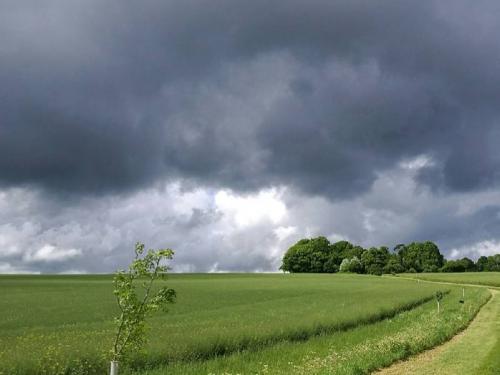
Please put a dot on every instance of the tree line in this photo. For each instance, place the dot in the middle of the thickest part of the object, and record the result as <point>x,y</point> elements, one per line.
<point>318,255</point>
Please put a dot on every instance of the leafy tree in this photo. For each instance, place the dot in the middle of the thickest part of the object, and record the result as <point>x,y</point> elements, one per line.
<point>134,306</point>
<point>398,247</point>
<point>375,259</point>
<point>452,266</point>
<point>461,265</point>
<point>331,265</point>
<point>343,250</point>
<point>344,266</point>
<point>355,265</point>
<point>338,251</point>
<point>493,263</point>
<point>292,261</point>
<point>393,264</point>
<point>351,265</point>
<point>490,263</point>
<point>351,251</point>
<point>482,263</point>
<point>307,255</point>
<point>469,265</point>
<point>421,257</point>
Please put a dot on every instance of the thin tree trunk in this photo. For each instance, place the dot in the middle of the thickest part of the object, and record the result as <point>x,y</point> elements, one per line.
<point>118,334</point>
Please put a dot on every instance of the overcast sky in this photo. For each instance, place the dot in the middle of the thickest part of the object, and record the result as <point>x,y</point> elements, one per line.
<point>228,130</point>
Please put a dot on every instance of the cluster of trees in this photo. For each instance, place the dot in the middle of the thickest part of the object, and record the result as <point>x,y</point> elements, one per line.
<point>318,255</point>
<point>491,263</point>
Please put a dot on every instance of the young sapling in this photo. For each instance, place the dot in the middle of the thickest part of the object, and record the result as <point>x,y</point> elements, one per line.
<point>135,306</point>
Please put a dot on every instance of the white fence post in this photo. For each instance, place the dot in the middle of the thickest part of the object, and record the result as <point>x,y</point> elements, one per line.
<point>114,368</point>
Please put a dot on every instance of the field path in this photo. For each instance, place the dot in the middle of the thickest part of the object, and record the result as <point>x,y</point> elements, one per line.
<point>464,353</point>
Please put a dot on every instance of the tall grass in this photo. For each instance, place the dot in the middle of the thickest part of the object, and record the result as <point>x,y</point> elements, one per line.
<point>357,351</point>
<point>62,324</point>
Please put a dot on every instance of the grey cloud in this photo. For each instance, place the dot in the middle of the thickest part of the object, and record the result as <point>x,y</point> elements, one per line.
<point>38,233</point>
<point>398,210</point>
<point>97,234</point>
<point>103,106</point>
<point>98,99</point>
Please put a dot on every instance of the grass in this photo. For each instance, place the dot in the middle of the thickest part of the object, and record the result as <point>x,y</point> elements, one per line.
<point>62,324</point>
<point>491,364</point>
<point>469,353</point>
<point>358,351</point>
<point>477,351</point>
<point>477,278</point>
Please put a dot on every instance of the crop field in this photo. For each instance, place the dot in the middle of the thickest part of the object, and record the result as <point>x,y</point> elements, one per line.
<point>63,324</point>
<point>358,351</point>
<point>478,278</point>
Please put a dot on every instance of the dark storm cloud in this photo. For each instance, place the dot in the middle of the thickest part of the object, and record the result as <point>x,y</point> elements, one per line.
<point>452,231</point>
<point>97,98</point>
<point>379,120</point>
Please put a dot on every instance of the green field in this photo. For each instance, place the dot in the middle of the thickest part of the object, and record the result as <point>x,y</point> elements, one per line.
<point>230,323</point>
<point>54,322</point>
<point>357,351</point>
<point>477,278</point>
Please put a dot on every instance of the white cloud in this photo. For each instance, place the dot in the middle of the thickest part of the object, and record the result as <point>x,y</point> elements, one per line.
<point>251,209</point>
<point>284,232</point>
<point>335,237</point>
<point>73,272</point>
<point>418,162</point>
<point>50,253</point>
<point>208,229</point>
<point>11,237</point>
<point>486,248</point>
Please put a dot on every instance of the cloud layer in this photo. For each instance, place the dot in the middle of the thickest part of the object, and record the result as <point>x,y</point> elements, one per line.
<point>372,121</point>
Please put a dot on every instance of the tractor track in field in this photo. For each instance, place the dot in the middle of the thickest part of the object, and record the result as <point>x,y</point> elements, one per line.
<point>463,349</point>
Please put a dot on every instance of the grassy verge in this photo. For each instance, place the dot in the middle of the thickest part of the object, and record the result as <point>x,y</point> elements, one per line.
<point>471,352</point>
<point>357,351</point>
<point>477,352</point>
